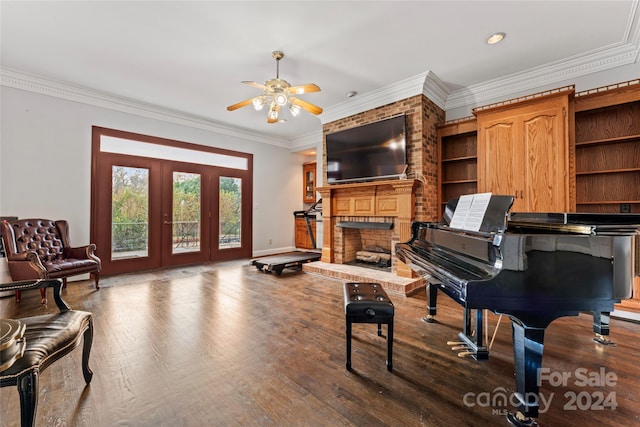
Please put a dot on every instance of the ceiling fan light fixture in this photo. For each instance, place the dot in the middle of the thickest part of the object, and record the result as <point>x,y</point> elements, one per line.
<point>258,103</point>
<point>294,109</point>
<point>279,94</point>
<point>273,112</point>
<point>280,98</point>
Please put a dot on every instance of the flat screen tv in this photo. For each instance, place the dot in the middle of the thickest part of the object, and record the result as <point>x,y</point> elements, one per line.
<point>369,152</point>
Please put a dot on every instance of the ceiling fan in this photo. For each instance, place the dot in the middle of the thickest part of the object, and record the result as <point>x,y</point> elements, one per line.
<point>279,93</point>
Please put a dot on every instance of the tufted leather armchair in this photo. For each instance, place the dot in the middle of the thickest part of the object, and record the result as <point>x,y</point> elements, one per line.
<point>40,249</point>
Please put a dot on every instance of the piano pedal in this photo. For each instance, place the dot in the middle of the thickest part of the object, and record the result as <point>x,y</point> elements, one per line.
<point>519,420</point>
<point>601,339</point>
<point>450,343</point>
<point>466,353</point>
<point>459,347</point>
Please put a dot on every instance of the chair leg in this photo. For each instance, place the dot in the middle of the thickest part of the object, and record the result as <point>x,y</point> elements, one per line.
<point>86,350</point>
<point>43,296</point>
<point>96,276</point>
<point>28,390</point>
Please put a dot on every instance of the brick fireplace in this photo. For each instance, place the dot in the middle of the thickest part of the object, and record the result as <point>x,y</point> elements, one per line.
<point>388,207</point>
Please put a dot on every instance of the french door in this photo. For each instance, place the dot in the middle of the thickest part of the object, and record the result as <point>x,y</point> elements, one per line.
<point>149,213</point>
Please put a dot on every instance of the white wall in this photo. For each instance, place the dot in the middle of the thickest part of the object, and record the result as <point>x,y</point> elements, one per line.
<point>45,164</point>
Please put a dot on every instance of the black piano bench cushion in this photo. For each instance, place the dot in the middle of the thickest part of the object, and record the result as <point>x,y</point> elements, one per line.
<point>361,298</point>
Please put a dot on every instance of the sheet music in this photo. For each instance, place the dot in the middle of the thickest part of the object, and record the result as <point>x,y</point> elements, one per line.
<point>470,211</point>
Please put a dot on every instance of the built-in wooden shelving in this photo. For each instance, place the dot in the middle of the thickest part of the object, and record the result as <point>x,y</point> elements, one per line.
<point>458,155</point>
<point>608,149</point>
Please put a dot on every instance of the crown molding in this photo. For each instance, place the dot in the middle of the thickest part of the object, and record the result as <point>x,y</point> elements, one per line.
<point>532,80</point>
<point>426,83</point>
<point>435,90</point>
<point>306,142</point>
<point>49,87</point>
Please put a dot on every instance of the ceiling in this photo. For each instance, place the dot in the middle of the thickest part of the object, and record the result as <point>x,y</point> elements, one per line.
<point>188,58</point>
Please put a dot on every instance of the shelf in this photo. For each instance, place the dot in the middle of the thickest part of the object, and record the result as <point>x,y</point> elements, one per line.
<point>608,171</point>
<point>461,181</point>
<point>616,140</point>
<point>459,159</point>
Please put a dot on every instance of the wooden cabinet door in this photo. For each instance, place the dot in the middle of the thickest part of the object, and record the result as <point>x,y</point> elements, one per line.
<point>309,182</point>
<point>500,159</point>
<point>545,161</point>
<point>303,240</point>
<point>524,151</point>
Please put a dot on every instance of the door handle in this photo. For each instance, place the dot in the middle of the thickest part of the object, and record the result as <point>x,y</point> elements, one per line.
<point>168,222</point>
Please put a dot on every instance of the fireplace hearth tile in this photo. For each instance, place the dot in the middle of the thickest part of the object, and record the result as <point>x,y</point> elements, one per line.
<point>390,282</point>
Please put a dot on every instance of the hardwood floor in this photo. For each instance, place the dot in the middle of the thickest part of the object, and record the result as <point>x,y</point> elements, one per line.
<point>226,345</point>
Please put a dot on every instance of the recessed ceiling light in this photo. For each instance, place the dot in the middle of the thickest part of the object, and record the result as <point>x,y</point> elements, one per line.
<point>495,38</point>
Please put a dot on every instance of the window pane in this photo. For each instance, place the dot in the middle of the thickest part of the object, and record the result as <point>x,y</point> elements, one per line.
<point>129,212</point>
<point>230,203</point>
<point>111,144</point>
<point>186,212</point>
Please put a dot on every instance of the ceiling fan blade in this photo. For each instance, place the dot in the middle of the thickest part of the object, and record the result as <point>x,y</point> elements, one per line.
<point>240,104</point>
<point>273,118</point>
<point>254,84</point>
<point>298,90</point>
<point>313,109</point>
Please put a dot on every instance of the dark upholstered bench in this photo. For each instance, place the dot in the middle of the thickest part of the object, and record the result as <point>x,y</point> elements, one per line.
<point>46,339</point>
<point>368,303</point>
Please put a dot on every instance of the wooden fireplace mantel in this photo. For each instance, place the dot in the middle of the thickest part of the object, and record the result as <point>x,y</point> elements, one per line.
<point>389,198</point>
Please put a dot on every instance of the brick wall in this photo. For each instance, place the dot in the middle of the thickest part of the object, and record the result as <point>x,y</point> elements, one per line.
<point>422,116</point>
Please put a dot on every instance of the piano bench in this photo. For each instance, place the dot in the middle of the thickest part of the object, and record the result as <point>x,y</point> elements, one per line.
<point>368,303</point>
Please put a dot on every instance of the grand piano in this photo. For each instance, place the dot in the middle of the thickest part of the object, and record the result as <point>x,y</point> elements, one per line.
<point>532,267</point>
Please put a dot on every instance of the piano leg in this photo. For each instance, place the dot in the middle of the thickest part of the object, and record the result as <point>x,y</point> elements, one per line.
<point>528,345</point>
<point>601,328</point>
<point>348,334</point>
<point>432,296</point>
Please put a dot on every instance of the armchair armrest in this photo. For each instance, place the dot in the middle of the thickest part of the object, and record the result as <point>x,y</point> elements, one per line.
<point>80,252</point>
<point>24,285</point>
<point>24,256</point>
<point>26,265</point>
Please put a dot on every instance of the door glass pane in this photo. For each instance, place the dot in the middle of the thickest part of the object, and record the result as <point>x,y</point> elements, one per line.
<point>186,212</point>
<point>129,212</point>
<point>230,213</point>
